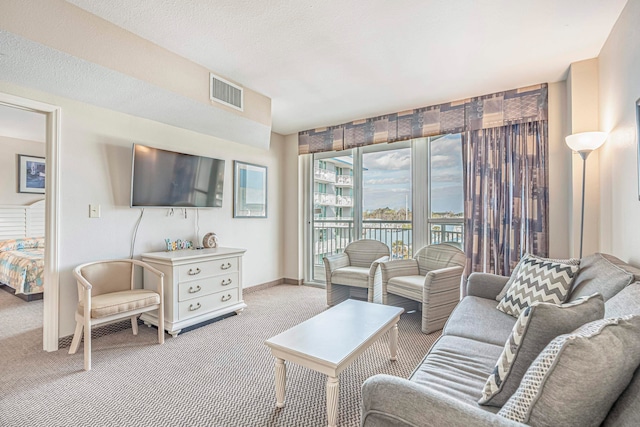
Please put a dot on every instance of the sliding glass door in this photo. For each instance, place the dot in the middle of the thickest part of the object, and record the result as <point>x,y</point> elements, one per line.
<point>406,195</point>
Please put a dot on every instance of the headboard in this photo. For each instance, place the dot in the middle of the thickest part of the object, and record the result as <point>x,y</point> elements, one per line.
<point>17,222</point>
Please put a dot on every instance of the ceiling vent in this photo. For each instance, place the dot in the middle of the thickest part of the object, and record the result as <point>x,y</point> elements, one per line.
<point>225,92</point>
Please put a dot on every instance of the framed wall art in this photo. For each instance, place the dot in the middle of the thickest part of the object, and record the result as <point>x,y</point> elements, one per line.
<point>31,174</point>
<point>249,190</point>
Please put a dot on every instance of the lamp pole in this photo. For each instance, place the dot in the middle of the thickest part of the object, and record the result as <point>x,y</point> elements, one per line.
<point>584,154</point>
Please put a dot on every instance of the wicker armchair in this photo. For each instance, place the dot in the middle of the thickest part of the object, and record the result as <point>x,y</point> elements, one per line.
<point>429,282</point>
<point>352,274</point>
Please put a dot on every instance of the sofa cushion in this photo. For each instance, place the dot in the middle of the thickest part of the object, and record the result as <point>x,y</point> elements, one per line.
<point>457,367</point>
<point>534,329</point>
<point>514,273</point>
<point>602,274</point>
<point>407,286</point>
<point>626,410</point>
<point>625,302</point>
<point>477,318</point>
<point>352,276</point>
<point>577,378</point>
<point>538,280</point>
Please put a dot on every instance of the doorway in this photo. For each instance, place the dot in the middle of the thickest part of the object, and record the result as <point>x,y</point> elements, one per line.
<point>51,270</point>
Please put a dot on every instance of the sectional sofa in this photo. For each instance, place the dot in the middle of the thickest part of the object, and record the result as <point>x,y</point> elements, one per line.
<point>445,388</point>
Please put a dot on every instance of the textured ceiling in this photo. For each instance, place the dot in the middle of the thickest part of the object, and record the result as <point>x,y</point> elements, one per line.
<point>331,61</point>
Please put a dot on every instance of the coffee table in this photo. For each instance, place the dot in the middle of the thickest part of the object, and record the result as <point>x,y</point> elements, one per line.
<point>330,341</point>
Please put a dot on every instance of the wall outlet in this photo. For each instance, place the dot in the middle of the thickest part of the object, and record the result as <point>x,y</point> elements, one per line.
<point>94,211</point>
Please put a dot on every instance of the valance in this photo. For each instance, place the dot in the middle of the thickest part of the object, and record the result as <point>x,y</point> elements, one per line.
<point>515,106</point>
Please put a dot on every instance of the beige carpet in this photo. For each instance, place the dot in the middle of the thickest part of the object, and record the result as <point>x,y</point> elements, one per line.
<point>217,375</point>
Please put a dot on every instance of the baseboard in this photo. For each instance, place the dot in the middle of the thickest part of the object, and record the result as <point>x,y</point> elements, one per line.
<point>277,282</point>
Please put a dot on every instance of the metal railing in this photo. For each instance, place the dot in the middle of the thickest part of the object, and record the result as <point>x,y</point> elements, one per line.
<point>324,175</point>
<point>324,199</point>
<point>344,180</point>
<point>332,235</point>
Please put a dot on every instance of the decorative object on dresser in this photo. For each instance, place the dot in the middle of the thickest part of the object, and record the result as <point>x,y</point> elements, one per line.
<point>200,285</point>
<point>210,240</point>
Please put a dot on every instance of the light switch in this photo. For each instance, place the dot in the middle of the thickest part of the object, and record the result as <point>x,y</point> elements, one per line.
<point>94,211</point>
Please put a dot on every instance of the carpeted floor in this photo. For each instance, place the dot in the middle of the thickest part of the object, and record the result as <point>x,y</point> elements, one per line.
<point>217,375</point>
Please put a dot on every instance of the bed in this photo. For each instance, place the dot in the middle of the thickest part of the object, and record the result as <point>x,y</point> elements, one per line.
<point>22,250</point>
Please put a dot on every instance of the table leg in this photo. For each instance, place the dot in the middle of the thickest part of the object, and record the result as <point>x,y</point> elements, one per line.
<point>281,380</point>
<point>332,401</point>
<point>393,342</point>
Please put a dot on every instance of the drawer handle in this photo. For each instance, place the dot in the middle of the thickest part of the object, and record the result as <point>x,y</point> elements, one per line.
<point>194,308</point>
<point>193,291</point>
<point>227,282</point>
<point>193,272</point>
<point>227,298</point>
<point>226,266</point>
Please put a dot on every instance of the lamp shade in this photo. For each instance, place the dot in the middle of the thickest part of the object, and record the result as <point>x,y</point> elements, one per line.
<point>586,141</point>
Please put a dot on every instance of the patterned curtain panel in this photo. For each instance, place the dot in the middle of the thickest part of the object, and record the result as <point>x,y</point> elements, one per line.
<point>516,106</point>
<point>506,195</point>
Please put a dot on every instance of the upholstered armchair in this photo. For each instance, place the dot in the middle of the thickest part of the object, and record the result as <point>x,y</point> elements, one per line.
<point>107,292</point>
<point>352,274</point>
<point>429,282</point>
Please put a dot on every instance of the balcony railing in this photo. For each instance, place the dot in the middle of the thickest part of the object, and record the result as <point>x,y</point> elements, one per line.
<point>344,180</point>
<point>344,201</point>
<point>332,235</point>
<point>324,199</point>
<point>324,175</point>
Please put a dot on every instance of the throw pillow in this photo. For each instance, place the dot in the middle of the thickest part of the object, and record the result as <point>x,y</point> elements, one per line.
<point>538,280</point>
<point>536,327</point>
<point>601,273</point>
<point>578,377</point>
<point>571,261</point>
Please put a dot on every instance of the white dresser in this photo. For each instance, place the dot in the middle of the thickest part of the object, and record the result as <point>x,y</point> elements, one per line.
<point>198,285</point>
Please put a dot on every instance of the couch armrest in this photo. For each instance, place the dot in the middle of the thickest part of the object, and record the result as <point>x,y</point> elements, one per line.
<point>334,262</point>
<point>388,400</point>
<point>440,295</point>
<point>485,285</point>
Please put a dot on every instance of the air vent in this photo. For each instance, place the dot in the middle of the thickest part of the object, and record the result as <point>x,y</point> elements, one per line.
<point>226,92</point>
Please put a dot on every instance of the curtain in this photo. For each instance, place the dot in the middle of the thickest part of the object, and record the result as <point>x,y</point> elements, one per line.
<point>506,195</point>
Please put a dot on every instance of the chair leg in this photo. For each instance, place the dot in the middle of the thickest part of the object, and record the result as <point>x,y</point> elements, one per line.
<point>77,336</point>
<point>161,325</point>
<point>134,324</point>
<point>87,345</point>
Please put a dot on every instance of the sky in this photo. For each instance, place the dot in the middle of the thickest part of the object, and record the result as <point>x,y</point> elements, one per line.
<point>387,178</point>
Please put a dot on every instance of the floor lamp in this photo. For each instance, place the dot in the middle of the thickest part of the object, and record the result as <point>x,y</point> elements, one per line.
<point>584,143</point>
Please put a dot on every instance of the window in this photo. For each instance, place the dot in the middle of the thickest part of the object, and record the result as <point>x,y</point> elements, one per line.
<point>405,194</point>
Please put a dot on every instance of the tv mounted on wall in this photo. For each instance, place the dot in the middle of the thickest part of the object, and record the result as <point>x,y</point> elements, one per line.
<point>162,178</point>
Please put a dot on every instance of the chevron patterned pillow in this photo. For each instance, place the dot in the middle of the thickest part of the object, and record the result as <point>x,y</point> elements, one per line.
<point>538,280</point>
<point>536,327</point>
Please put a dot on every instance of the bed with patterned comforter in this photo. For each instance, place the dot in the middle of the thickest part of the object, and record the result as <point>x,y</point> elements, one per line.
<point>22,264</point>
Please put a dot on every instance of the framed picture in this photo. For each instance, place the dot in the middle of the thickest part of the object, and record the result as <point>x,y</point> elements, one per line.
<point>249,190</point>
<point>31,174</point>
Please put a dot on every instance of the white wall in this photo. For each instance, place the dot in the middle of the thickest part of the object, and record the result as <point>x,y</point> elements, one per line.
<point>95,165</point>
<point>9,150</point>
<point>619,68</point>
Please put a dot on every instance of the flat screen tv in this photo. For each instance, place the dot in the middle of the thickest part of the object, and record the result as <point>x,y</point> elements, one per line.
<point>162,178</point>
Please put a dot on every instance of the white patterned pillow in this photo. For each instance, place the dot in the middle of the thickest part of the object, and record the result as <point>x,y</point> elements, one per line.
<point>538,279</point>
<point>571,261</point>
<point>578,377</point>
<point>536,326</point>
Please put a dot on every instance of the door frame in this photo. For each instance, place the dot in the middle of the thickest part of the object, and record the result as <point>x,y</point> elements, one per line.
<point>52,212</point>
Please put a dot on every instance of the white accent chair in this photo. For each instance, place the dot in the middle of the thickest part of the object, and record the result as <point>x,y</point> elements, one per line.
<point>106,292</point>
<point>429,282</point>
<point>352,274</point>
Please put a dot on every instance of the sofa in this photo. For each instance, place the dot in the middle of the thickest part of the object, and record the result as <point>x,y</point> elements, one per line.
<point>445,387</point>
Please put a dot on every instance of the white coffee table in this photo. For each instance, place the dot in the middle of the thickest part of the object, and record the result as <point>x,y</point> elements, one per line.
<point>330,341</point>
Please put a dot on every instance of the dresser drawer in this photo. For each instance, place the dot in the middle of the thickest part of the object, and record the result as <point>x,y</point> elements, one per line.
<point>197,306</point>
<point>196,270</point>
<point>207,285</point>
